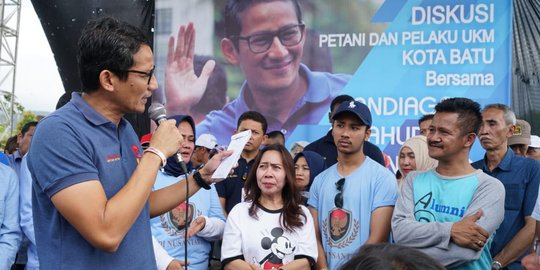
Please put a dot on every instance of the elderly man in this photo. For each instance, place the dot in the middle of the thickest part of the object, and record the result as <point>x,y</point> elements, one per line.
<point>520,177</point>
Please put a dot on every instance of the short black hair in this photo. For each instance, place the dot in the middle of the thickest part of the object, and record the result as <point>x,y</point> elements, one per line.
<point>215,96</point>
<point>390,257</point>
<point>425,117</point>
<point>255,116</point>
<point>233,8</point>
<point>27,127</point>
<point>276,134</point>
<point>469,116</point>
<point>107,44</point>
<point>340,99</point>
<point>11,145</point>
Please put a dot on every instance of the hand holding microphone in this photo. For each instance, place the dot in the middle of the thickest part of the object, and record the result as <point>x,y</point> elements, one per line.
<point>166,138</point>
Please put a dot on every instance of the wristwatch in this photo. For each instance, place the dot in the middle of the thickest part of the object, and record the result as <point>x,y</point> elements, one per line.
<point>496,265</point>
<point>200,181</point>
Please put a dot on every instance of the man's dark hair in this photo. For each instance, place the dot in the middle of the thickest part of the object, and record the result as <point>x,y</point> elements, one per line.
<point>63,100</point>
<point>107,44</point>
<point>340,99</point>
<point>425,117</point>
<point>390,257</point>
<point>11,145</point>
<point>215,96</point>
<point>469,116</point>
<point>255,116</point>
<point>27,127</point>
<point>276,134</point>
<point>233,8</point>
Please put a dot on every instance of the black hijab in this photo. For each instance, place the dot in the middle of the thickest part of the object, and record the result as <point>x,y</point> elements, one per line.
<point>172,167</point>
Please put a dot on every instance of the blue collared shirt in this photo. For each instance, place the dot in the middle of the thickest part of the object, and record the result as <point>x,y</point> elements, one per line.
<point>4,159</point>
<point>15,162</point>
<point>10,233</point>
<point>27,221</point>
<point>309,110</point>
<point>70,146</point>
<point>520,177</point>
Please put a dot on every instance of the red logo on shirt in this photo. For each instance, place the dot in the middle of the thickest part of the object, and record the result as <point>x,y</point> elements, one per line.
<point>136,151</point>
<point>112,158</point>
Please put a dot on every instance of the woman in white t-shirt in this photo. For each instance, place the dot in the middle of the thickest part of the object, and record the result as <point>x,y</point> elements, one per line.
<point>271,229</point>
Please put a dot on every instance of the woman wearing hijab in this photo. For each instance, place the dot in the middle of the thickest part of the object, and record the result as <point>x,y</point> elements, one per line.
<point>413,156</point>
<point>307,165</point>
<point>204,215</point>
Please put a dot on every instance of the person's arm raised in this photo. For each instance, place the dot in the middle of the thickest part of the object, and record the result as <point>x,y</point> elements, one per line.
<point>183,89</point>
<point>104,222</point>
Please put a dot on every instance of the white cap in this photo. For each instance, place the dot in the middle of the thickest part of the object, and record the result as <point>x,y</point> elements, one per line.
<point>206,140</point>
<point>301,143</point>
<point>535,142</point>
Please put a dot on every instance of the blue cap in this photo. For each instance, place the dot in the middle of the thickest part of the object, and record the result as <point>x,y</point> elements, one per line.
<point>357,108</point>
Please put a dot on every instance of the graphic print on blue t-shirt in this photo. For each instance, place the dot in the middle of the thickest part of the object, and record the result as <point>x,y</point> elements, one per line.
<point>341,224</point>
<point>446,199</point>
<point>174,221</point>
<point>439,200</point>
<point>279,246</point>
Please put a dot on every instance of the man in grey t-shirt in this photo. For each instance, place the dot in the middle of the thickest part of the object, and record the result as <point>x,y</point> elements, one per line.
<point>452,211</point>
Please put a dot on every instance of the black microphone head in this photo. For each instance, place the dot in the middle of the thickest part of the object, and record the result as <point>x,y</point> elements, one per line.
<point>157,112</point>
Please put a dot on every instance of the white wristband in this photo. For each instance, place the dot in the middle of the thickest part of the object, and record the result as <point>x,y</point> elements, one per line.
<point>158,153</point>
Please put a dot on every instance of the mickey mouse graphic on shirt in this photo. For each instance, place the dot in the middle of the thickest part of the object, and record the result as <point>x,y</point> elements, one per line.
<point>279,247</point>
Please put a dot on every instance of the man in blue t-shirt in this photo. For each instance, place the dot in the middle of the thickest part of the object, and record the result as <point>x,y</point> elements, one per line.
<point>352,201</point>
<point>325,145</point>
<point>92,185</point>
<point>520,177</point>
<point>451,212</point>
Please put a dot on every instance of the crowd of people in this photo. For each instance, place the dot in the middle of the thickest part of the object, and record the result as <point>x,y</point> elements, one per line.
<point>84,192</point>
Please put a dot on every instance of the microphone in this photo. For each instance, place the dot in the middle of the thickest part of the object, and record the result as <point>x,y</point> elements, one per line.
<point>157,112</point>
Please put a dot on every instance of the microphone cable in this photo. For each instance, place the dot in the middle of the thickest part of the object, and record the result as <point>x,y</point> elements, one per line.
<point>184,168</point>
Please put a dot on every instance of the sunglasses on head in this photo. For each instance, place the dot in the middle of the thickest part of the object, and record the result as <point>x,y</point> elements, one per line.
<point>338,200</point>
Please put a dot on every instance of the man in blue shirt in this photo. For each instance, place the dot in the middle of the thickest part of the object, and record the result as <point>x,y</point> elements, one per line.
<point>10,234</point>
<point>92,185</point>
<point>325,145</point>
<point>23,141</point>
<point>24,138</point>
<point>352,201</point>
<point>26,217</point>
<point>520,177</point>
<point>266,41</point>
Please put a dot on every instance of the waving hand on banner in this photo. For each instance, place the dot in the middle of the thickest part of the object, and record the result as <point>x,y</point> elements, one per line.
<point>183,88</point>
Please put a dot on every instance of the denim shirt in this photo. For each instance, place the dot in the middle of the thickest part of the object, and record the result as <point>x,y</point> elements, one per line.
<point>520,177</point>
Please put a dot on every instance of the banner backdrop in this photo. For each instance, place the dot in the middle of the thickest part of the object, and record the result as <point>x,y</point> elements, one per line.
<point>404,57</point>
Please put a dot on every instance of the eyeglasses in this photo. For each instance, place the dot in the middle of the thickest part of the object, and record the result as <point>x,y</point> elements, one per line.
<point>338,200</point>
<point>261,42</point>
<point>148,74</point>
